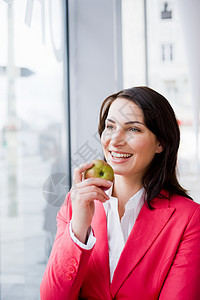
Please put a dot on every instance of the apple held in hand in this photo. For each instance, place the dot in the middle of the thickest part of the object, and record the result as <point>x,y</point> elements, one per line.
<point>100,169</point>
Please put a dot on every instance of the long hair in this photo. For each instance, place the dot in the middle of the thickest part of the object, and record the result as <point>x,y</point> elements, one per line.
<point>160,119</point>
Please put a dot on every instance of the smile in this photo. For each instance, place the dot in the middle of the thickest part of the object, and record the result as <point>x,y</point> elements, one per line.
<point>117,155</point>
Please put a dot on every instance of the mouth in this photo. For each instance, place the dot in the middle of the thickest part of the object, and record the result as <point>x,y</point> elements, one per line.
<point>119,157</point>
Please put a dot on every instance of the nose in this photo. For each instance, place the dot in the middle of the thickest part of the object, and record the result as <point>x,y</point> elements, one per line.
<point>118,138</point>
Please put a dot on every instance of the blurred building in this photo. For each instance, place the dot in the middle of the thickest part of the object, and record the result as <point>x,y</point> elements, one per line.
<point>166,63</point>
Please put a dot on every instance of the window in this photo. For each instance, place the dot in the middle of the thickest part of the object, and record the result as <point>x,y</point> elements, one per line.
<point>32,140</point>
<point>167,52</point>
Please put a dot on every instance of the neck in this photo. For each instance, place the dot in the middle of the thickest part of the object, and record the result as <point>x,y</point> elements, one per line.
<point>124,188</point>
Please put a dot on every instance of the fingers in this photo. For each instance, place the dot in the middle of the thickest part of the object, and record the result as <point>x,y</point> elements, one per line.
<point>91,193</point>
<point>79,170</point>
<point>83,194</point>
<point>93,185</point>
<point>90,188</point>
<point>95,193</point>
<point>100,182</point>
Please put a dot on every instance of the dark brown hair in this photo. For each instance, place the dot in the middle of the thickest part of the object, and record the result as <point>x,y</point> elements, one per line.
<point>160,118</point>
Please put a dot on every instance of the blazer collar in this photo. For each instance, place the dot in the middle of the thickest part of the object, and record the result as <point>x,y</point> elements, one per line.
<point>146,229</point>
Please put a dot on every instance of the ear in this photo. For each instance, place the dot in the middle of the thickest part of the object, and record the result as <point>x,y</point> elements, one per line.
<point>159,148</point>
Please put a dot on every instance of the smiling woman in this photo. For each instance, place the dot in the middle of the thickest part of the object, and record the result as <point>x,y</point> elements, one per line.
<point>129,146</point>
<point>147,120</point>
<point>144,230</point>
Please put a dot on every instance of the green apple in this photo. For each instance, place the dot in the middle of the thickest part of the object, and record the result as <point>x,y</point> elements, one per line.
<point>100,169</point>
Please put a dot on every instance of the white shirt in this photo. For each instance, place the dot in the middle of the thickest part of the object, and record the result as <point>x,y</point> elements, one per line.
<point>117,231</point>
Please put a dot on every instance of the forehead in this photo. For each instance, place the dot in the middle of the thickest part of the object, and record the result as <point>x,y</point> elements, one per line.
<point>125,110</point>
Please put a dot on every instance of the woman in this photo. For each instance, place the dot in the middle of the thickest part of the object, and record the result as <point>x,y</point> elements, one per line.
<point>141,239</point>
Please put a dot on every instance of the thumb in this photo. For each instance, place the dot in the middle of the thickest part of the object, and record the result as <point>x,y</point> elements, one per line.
<point>78,172</point>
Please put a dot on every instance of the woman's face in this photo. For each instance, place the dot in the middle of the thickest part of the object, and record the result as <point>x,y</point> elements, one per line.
<point>128,145</point>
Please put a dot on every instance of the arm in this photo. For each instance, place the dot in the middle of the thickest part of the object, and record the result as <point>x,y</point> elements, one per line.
<point>183,279</point>
<point>65,270</point>
<point>68,261</point>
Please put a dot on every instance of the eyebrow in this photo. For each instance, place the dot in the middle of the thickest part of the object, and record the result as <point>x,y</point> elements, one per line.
<point>126,123</point>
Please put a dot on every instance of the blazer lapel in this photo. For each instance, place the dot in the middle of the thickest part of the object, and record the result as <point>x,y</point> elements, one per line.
<point>147,227</point>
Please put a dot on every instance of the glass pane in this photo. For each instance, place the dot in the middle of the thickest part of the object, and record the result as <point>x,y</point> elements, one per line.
<point>33,140</point>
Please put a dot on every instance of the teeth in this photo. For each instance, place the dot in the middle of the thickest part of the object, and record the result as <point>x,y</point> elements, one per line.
<point>121,155</point>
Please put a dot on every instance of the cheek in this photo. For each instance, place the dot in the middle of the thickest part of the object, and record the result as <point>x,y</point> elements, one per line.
<point>106,136</point>
<point>137,143</point>
<point>104,140</point>
<point>143,145</point>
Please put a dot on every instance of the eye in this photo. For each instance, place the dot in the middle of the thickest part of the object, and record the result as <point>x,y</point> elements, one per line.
<point>110,127</point>
<point>134,129</point>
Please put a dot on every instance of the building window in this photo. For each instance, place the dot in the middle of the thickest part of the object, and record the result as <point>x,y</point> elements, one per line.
<point>166,13</point>
<point>167,52</point>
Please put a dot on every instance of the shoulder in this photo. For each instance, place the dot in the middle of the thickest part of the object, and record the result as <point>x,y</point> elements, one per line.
<point>167,199</point>
<point>185,207</point>
<point>183,202</point>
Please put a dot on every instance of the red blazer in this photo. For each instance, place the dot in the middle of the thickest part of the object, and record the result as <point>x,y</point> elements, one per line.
<point>160,260</point>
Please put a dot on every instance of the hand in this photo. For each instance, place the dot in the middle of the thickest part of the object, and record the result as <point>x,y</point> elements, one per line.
<point>83,194</point>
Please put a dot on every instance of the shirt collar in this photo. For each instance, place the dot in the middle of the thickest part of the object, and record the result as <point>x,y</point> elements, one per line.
<point>135,202</point>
